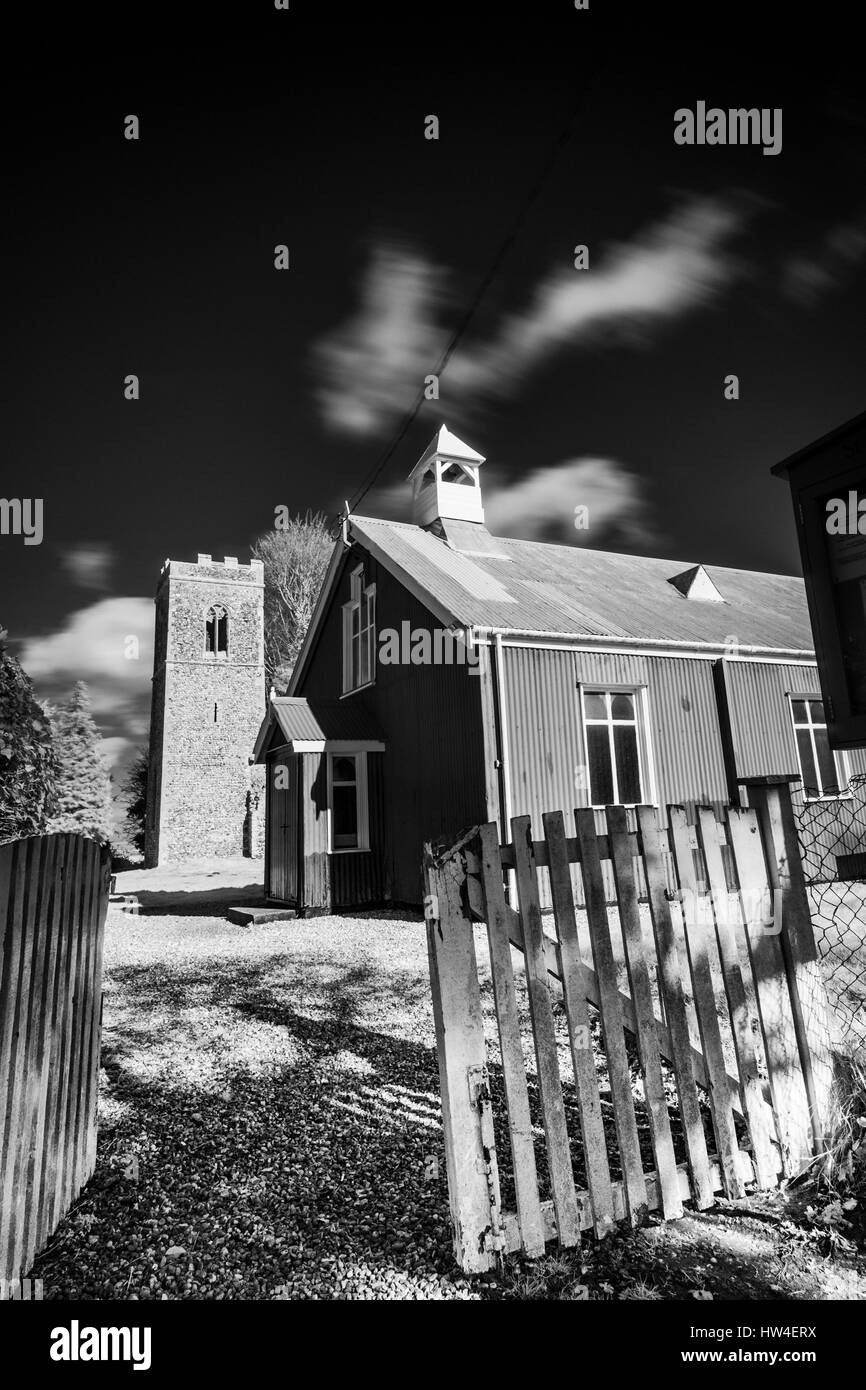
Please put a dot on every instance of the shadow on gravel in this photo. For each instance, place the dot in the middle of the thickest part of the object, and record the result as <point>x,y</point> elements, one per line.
<point>180,901</point>
<point>310,1164</point>
<point>281,1176</point>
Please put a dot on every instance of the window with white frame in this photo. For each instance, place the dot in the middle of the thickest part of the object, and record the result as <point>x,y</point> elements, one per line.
<point>347,782</point>
<point>824,772</point>
<point>615,739</point>
<point>359,634</point>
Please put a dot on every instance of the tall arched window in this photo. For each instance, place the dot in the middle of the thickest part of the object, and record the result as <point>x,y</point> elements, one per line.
<point>216,631</point>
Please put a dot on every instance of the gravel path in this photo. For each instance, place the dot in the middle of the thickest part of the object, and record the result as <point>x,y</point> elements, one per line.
<point>272,1096</point>
<point>270,1129</point>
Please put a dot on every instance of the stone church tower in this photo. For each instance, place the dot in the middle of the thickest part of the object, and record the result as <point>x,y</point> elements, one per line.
<point>208,701</point>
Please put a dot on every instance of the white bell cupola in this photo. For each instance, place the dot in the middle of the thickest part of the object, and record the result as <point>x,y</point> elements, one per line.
<point>445,483</point>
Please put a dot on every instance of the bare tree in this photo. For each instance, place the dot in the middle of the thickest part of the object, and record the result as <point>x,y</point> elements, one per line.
<point>295,556</point>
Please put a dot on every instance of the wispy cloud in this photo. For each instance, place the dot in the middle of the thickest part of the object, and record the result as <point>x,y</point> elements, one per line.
<point>672,269</point>
<point>89,564</point>
<point>542,505</point>
<point>110,646</point>
<point>808,276</point>
<point>373,366</point>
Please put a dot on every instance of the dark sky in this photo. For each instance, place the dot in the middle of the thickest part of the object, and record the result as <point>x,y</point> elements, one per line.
<point>261,388</point>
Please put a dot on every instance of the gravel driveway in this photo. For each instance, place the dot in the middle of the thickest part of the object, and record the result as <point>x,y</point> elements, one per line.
<point>269,1107</point>
<point>270,1129</point>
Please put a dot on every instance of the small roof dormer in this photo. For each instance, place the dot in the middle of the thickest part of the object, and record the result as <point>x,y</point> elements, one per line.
<point>445,482</point>
<point>696,584</point>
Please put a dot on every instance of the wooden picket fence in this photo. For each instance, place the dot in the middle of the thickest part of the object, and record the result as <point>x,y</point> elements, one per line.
<point>53,902</point>
<point>718,989</point>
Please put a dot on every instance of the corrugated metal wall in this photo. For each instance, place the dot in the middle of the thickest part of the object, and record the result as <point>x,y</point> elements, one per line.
<point>545,740</point>
<point>544,727</point>
<point>543,723</point>
<point>434,770</point>
<point>760,716</point>
<point>763,739</point>
<point>761,719</point>
<point>687,741</point>
<point>326,880</point>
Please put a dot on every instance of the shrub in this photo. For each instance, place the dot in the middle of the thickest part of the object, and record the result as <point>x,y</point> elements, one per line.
<point>83,781</point>
<point>135,791</point>
<point>27,763</point>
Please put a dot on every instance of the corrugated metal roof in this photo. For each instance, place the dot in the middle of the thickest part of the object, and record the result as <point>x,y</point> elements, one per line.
<point>324,719</point>
<point>454,567</point>
<point>595,593</point>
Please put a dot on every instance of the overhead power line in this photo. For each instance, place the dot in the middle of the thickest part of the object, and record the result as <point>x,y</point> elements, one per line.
<point>523,211</point>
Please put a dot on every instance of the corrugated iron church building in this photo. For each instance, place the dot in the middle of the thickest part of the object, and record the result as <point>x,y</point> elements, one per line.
<point>451,677</point>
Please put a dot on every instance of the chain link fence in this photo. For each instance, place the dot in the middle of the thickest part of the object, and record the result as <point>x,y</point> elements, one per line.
<point>832,835</point>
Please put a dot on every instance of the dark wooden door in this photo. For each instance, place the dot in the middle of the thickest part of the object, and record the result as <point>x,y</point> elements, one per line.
<point>283,827</point>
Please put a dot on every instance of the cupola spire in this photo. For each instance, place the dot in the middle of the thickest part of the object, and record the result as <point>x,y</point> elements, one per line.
<point>445,483</point>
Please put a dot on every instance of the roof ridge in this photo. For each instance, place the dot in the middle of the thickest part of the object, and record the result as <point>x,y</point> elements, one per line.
<point>590,550</point>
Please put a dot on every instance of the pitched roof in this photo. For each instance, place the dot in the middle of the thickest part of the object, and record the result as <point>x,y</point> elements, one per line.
<point>294,720</point>
<point>532,586</point>
<point>444,444</point>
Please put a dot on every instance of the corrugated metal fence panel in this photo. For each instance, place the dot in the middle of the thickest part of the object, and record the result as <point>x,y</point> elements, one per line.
<point>53,901</point>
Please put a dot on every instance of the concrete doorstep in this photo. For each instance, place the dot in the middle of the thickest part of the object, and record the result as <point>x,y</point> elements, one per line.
<point>253,915</point>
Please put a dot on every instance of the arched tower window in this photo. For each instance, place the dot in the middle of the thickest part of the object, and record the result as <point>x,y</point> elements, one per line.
<point>216,631</point>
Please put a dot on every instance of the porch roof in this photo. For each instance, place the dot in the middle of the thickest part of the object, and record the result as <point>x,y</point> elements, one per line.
<point>310,725</point>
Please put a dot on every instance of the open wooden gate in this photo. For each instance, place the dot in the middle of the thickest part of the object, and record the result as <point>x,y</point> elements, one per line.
<point>712,992</point>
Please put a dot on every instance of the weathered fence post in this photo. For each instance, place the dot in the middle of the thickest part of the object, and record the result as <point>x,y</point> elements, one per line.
<point>473,1182</point>
<point>771,799</point>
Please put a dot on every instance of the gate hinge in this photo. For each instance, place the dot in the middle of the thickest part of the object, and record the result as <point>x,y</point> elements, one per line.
<point>479,1086</point>
<point>479,1096</point>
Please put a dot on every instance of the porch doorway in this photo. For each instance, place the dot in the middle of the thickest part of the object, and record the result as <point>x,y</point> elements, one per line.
<point>283,841</point>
